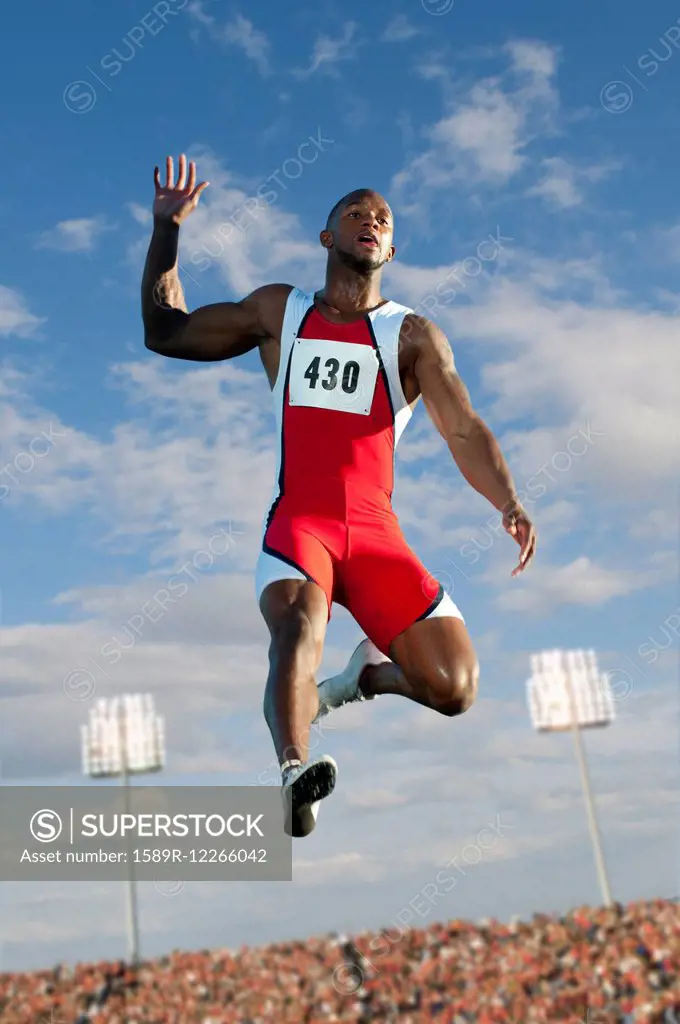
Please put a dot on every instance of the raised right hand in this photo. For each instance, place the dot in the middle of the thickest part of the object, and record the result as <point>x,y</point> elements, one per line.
<point>173,202</point>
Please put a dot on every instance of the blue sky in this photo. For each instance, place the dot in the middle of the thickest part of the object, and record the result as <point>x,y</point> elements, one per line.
<point>546,129</point>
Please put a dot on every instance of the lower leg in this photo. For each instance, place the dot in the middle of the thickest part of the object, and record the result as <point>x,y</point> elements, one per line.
<point>291,701</point>
<point>377,680</point>
<point>296,613</point>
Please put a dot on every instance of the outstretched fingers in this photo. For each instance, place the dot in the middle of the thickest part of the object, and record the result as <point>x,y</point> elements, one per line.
<point>176,199</point>
<point>525,535</point>
<point>192,188</point>
<point>181,172</point>
<point>185,182</point>
<point>191,183</point>
<point>199,189</point>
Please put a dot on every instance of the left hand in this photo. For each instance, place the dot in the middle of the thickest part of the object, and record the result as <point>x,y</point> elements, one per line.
<point>517,523</point>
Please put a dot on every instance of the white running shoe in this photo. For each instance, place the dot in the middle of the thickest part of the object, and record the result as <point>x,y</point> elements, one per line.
<point>344,688</point>
<point>304,786</point>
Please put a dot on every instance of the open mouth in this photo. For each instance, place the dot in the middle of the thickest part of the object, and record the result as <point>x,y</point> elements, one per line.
<point>368,240</point>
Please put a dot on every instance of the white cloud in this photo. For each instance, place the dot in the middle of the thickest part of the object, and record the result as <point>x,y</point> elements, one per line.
<point>242,33</point>
<point>328,52</point>
<point>561,183</point>
<point>375,799</point>
<point>170,475</point>
<point>570,366</point>
<point>142,214</point>
<point>196,10</point>
<point>15,318</point>
<point>585,278</point>
<point>192,638</point>
<point>53,475</point>
<point>486,131</point>
<point>399,30</point>
<point>77,235</point>
<point>239,32</point>
<point>581,582</point>
<point>659,523</point>
<point>478,140</point>
<point>483,136</point>
<point>669,239</point>
<point>433,68</point>
<point>337,867</point>
<point>533,57</point>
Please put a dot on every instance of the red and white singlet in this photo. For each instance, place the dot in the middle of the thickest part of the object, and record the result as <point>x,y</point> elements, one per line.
<point>340,411</point>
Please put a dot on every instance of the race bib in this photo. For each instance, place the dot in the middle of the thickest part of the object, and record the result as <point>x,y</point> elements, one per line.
<point>334,375</point>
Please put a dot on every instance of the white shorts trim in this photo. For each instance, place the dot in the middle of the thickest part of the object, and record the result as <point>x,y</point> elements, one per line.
<point>270,569</point>
<point>445,609</point>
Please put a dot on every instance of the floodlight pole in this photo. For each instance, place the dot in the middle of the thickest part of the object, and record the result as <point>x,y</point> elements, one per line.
<point>588,796</point>
<point>124,737</point>
<point>133,917</point>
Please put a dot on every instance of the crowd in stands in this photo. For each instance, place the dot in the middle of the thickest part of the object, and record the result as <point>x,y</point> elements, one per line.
<point>617,965</point>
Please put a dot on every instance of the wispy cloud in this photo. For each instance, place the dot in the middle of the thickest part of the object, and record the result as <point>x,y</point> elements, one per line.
<point>78,235</point>
<point>558,185</point>
<point>142,214</point>
<point>14,316</point>
<point>484,133</point>
<point>242,33</point>
<point>328,52</point>
<point>582,582</point>
<point>541,323</point>
<point>562,182</point>
<point>533,57</point>
<point>399,30</point>
<point>667,241</point>
<point>239,32</point>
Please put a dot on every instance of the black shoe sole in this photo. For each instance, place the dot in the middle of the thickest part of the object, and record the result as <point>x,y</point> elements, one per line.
<point>316,783</point>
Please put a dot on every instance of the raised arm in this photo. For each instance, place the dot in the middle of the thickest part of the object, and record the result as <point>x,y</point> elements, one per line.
<point>471,443</point>
<point>211,333</point>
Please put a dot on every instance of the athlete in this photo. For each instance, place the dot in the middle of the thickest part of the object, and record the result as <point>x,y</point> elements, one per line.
<point>346,368</point>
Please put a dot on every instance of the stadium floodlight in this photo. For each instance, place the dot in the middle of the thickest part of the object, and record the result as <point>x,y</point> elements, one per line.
<point>124,737</point>
<point>566,691</point>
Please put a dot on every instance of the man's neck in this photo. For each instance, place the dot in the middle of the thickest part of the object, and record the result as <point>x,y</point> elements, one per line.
<point>347,292</point>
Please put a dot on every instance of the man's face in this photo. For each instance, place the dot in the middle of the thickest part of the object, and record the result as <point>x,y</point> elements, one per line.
<point>361,232</point>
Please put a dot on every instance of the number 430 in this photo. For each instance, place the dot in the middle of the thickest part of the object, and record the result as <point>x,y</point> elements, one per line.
<point>350,375</point>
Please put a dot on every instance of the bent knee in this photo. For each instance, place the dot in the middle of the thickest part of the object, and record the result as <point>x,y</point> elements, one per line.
<point>456,689</point>
<point>293,631</point>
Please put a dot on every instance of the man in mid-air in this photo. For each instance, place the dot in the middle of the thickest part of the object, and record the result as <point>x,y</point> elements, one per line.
<point>346,368</point>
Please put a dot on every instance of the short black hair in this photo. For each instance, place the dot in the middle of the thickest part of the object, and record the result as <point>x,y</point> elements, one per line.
<point>331,215</point>
<point>341,202</point>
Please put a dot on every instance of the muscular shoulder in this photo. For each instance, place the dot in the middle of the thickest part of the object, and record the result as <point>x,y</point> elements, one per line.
<point>269,303</point>
<point>423,349</point>
<point>421,338</point>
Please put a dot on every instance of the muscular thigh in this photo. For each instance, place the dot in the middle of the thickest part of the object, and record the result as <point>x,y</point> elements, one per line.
<point>387,587</point>
<point>429,650</point>
<point>297,548</point>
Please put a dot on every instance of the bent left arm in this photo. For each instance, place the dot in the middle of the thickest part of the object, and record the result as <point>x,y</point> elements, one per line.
<point>471,443</point>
